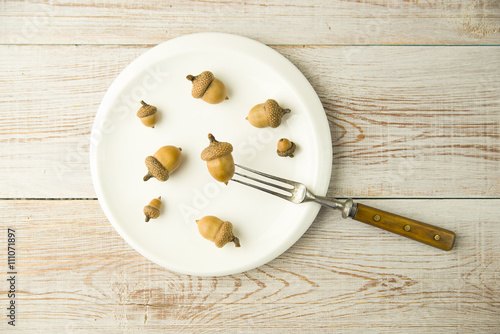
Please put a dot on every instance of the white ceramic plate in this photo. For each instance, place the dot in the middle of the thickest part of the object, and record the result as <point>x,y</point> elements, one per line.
<point>252,72</point>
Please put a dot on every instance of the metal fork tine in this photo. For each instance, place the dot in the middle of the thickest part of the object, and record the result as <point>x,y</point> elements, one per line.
<point>265,182</point>
<point>262,189</point>
<point>290,182</point>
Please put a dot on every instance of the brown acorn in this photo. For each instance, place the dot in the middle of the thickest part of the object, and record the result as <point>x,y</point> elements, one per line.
<point>286,148</point>
<point>152,210</point>
<point>266,114</point>
<point>148,114</point>
<point>217,231</point>
<point>219,159</point>
<point>207,87</point>
<point>161,164</point>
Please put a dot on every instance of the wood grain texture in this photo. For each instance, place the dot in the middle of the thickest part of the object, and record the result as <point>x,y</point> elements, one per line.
<point>271,22</point>
<point>405,121</point>
<point>76,274</point>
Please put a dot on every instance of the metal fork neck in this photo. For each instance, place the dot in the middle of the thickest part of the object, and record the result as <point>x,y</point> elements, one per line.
<point>347,207</point>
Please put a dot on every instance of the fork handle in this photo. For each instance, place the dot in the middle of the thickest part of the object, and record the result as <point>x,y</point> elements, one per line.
<point>425,233</point>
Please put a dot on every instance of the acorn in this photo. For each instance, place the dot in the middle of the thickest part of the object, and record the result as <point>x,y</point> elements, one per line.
<point>207,87</point>
<point>152,210</point>
<point>266,114</point>
<point>161,164</point>
<point>285,148</point>
<point>148,114</point>
<point>217,231</point>
<point>219,159</point>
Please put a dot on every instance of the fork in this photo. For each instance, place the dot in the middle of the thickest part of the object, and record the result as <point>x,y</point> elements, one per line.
<point>296,192</point>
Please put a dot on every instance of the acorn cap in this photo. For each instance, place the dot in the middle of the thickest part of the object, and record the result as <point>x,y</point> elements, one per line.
<point>151,212</point>
<point>200,83</point>
<point>155,169</point>
<point>288,152</point>
<point>274,112</point>
<point>225,235</point>
<point>215,149</point>
<point>146,110</point>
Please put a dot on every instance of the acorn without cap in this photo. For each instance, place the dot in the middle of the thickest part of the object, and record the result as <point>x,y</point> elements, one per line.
<point>148,114</point>
<point>207,87</point>
<point>266,114</point>
<point>286,148</point>
<point>217,231</point>
<point>161,164</point>
<point>152,210</point>
<point>219,159</point>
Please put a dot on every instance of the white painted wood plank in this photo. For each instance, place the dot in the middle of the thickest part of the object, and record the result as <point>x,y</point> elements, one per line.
<point>272,22</point>
<point>405,121</point>
<point>410,122</point>
<point>75,274</point>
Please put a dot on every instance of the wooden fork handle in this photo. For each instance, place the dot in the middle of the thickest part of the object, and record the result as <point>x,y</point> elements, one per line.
<point>425,233</point>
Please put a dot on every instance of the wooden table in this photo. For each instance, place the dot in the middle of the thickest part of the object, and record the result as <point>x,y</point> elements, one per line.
<point>411,90</point>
